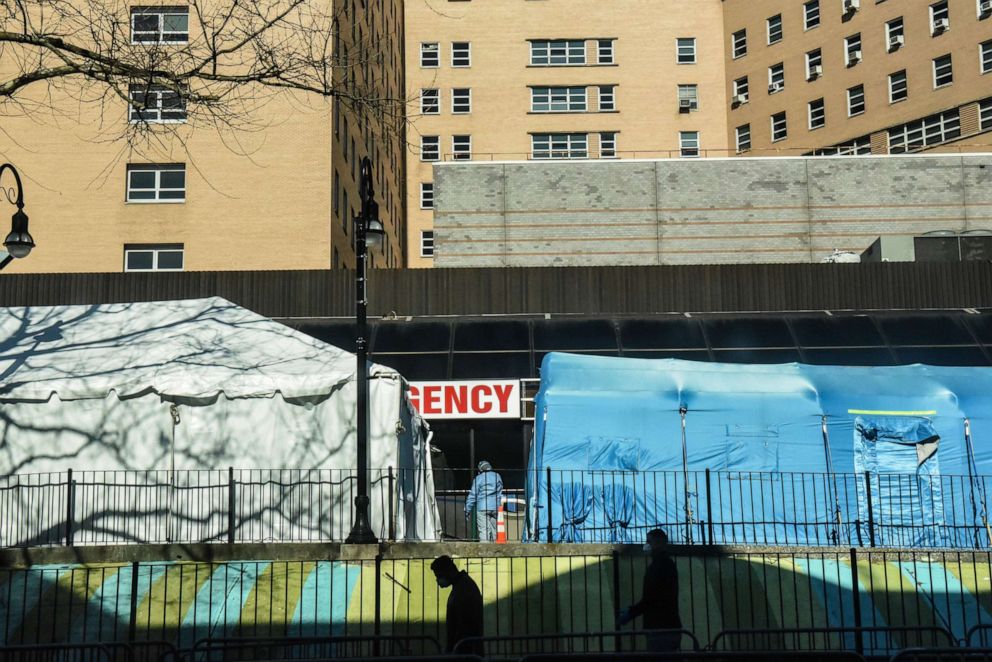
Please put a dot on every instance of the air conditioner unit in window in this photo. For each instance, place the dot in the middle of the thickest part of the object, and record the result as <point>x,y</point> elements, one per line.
<point>776,87</point>
<point>815,71</point>
<point>985,7</point>
<point>738,99</point>
<point>685,105</point>
<point>940,25</point>
<point>852,5</point>
<point>896,42</point>
<point>854,57</point>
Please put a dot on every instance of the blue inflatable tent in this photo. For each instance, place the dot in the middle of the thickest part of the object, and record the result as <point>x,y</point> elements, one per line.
<point>768,454</point>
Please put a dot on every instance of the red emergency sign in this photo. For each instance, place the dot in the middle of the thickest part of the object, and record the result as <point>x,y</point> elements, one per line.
<point>467,399</point>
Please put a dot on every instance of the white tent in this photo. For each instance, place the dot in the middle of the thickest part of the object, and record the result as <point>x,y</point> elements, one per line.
<point>149,404</point>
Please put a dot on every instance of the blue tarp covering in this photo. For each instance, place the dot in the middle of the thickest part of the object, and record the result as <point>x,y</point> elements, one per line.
<point>796,453</point>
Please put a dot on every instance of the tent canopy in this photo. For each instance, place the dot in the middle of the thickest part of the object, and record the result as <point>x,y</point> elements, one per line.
<point>611,430</point>
<point>181,350</point>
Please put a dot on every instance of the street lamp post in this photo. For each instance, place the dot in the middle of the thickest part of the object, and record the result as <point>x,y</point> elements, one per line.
<point>369,233</point>
<point>19,242</point>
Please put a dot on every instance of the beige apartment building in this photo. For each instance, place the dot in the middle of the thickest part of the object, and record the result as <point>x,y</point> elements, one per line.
<point>487,80</point>
<point>273,188</point>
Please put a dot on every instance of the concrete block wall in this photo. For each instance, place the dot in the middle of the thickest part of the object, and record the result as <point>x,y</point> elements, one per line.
<point>705,211</point>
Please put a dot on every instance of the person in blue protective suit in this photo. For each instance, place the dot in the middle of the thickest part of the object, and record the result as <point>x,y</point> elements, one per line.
<point>485,497</point>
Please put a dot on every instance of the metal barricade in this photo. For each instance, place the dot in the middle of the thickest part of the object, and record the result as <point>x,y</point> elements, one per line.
<point>979,635</point>
<point>311,648</point>
<point>107,651</point>
<point>693,656</point>
<point>869,641</point>
<point>943,655</point>
<point>610,642</point>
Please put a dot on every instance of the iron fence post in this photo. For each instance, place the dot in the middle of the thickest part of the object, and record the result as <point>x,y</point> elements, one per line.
<point>231,503</point>
<point>856,592</point>
<point>709,509</point>
<point>871,511</point>
<point>392,514</point>
<point>617,639</point>
<point>133,615</point>
<point>70,499</point>
<point>550,529</point>
<point>378,604</point>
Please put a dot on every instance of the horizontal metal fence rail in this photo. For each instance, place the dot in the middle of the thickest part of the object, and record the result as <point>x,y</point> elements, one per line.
<point>609,641</point>
<point>871,641</point>
<point>943,655</point>
<point>692,656</point>
<point>311,648</point>
<point>547,504</point>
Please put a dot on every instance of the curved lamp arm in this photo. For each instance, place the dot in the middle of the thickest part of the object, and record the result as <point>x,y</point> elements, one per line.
<point>19,242</point>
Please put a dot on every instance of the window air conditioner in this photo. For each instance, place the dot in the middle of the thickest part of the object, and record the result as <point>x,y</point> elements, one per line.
<point>896,41</point>
<point>985,7</point>
<point>738,99</point>
<point>775,87</point>
<point>815,71</point>
<point>685,105</point>
<point>940,25</point>
<point>852,5</point>
<point>854,58</point>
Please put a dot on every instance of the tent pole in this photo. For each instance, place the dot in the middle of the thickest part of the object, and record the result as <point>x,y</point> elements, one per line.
<point>974,478</point>
<point>174,413</point>
<point>838,518</point>
<point>685,479</point>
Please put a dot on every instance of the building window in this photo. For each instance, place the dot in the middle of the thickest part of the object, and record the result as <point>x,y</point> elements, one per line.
<point>558,99</point>
<point>775,29</point>
<point>688,144</point>
<point>559,146</point>
<point>985,114</point>
<point>738,42</point>
<point>430,101</point>
<point>336,194</point>
<point>607,98</point>
<point>557,53</point>
<point>857,147</point>
<point>817,114</point>
<point>685,50</point>
<point>427,195</point>
<point>940,17</point>
<point>159,25</point>
<point>430,55</point>
<point>984,9</point>
<point>898,86</point>
<point>985,56</point>
<point>943,71</point>
<point>608,145</point>
<point>894,34</point>
<point>740,91</point>
<point>430,148</point>
<point>780,128</point>
<point>852,49</point>
<point>776,78</point>
<point>688,97</point>
<point>814,64</point>
<point>926,132</point>
<point>461,54</point>
<point>461,148</point>
<point>604,51</point>
<point>426,243</point>
<point>461,100</point>
<point>156,104</point>
<point>855,100</point>
<point>156,183</point>
<point>811,14</point>
<point>153,257</point>
<point>743,138</point>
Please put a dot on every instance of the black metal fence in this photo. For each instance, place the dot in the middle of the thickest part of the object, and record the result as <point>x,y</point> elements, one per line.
<point>694,507</point>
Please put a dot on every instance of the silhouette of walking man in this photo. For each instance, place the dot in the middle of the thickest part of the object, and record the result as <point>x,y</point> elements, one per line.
<point>659,603</point>
<point>464,614</point>
<point>485,496</point>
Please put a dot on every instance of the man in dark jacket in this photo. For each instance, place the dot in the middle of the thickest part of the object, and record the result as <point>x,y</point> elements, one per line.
<point>464,614</point>
<point>659,604</point>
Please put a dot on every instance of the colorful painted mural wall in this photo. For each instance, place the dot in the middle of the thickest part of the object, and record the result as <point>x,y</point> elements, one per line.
<point>183,602</point>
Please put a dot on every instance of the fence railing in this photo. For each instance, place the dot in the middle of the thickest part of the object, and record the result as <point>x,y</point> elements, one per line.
<point>316,505</point>
<point>870,601</point>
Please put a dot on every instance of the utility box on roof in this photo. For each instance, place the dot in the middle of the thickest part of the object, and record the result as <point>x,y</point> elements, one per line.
<point>890,249</point>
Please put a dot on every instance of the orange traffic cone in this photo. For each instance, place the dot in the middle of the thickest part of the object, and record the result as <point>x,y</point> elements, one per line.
<point>500,525</point>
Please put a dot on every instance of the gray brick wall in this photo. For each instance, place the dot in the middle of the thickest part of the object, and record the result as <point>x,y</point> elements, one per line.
<point>705,211</point>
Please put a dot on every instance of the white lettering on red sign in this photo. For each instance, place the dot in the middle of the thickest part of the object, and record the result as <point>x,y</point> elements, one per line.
<point>467,399</point>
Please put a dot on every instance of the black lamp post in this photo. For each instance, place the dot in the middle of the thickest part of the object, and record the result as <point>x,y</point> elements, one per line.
<point>369,233</point>
<point>19,242</point>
